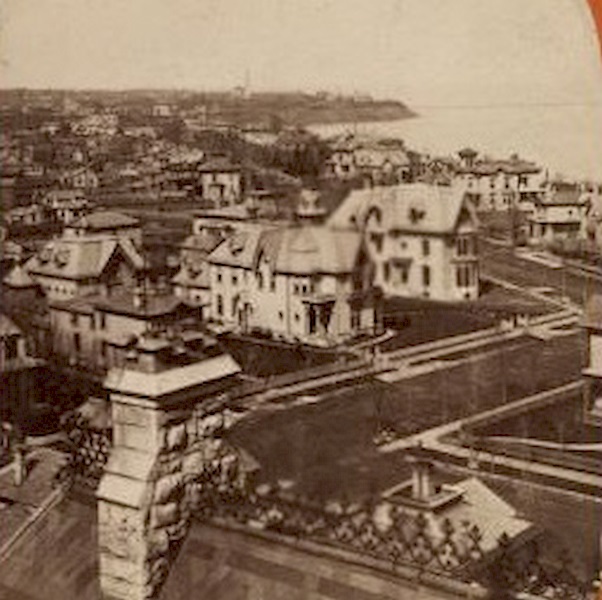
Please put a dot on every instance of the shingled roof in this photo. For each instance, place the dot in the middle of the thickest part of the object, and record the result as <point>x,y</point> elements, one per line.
<point>80,258</point>
<point>309,250</point>
<point>413,208</point>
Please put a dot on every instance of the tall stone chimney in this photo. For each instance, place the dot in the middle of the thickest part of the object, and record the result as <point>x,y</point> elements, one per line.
<point>143,500</point>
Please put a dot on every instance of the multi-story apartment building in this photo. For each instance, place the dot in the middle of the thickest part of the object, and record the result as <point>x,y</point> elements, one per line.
<point>220,182</point>
<point>560,214</point>
<point>72,267</point>
<point>375,162</point>
<point>96,331</point>
<point>422,239</point>
<point>306,284</point>
<point>66,206</point>
<point>496,185</point>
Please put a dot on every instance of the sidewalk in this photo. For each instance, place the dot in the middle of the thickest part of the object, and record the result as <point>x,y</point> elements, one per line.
<point>18,504</point>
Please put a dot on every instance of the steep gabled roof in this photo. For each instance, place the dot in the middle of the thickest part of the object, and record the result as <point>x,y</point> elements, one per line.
<point>413,208</point>
<point>7,327</point>
<point>19,278</point>
<point>81,258</point>
<point>238,250</point>
<point>310,250</point>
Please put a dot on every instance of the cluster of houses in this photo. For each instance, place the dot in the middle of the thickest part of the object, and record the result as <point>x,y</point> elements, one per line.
<point>313,281</point>
<point>546,211</point>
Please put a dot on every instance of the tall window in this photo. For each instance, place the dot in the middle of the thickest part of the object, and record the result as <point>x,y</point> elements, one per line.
<point>74,319</point>
<point>77,343</point>
<point>273,283</point>
<point>465,245</point>
<point>220,305</point>
<point>426,247</point>
<point>463,276</point>
<point>103,320</point>
<point>426,275</point>
<point>259,279</point>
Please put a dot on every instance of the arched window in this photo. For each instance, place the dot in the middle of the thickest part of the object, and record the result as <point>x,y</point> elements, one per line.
<point>373,216</point>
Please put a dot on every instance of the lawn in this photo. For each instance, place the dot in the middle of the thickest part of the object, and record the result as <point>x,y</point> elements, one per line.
<point>327,447</point>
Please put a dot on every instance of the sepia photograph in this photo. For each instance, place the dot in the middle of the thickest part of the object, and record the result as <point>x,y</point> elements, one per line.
<point>301,300</point>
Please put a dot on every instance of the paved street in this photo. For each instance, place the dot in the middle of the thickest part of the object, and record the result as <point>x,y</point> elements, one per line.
<point>502,262</point>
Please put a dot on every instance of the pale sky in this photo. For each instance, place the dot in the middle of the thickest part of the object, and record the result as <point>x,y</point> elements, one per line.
<point>422,51</point>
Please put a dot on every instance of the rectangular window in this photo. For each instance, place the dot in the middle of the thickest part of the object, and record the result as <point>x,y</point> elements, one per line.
<point>220,305</point>
<point>103,320</point>
<point>404,274</point>
<point>103,349</point>
<point>355,320</point>
<point>219,276</point>
<point>259,279</point>
<point>426,275</point>
<point>386,271</point>
<point>273,283</point>
<point>77,344</point>
<point>426,247</point>
<point>92,323</point>
<point>11,348</point>
<point>74,319</point>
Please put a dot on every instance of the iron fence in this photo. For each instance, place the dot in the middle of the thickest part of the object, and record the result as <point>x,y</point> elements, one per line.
<point>397,537</point>
<point>88,450</point>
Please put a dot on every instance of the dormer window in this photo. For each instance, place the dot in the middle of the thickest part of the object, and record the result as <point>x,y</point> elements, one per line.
<point>416,215</point>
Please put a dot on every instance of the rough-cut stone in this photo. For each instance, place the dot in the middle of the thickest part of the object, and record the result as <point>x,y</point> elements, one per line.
<point>168,489</point>
<point>164,515</point>
<point>119,533</point>
<point>120,568</point>
<point>158,543</point>
<point>193,463</point>
<point>113,587</point>
<point>176,437</point>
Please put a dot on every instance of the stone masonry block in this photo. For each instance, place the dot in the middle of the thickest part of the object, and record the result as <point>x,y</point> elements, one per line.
<point>158,543</point>
<point>132,415</point>
<point>168,489</point>
<point>165,514</point>
<point>121,589</point>
<point>193,462</point>
<point>134,436</point>
<point>176,437</point>
<point>121,568</point>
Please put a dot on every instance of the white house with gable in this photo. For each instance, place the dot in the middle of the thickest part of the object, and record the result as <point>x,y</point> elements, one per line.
<point>422,239</point>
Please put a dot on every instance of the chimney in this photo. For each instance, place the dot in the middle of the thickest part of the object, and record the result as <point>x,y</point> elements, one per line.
<point>422,481</point>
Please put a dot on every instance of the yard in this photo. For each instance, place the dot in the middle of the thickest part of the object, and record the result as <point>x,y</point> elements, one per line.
<point>328,447</point>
